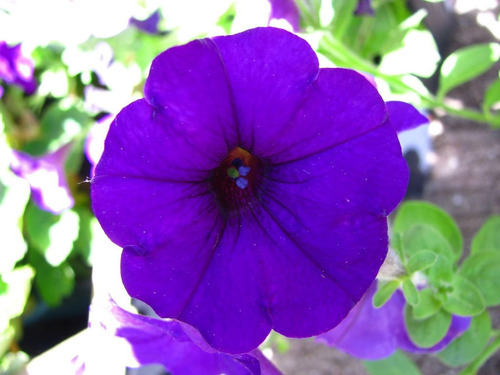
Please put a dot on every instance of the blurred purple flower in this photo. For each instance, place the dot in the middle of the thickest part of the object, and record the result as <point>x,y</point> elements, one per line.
<point>180,348</point>
<point>250,189</point>
<point>46,177</point>
<point>16,69</point>
<point>287,10</point>
<point>364,7</point>
<point>374,333</point>
<point>148,25</point>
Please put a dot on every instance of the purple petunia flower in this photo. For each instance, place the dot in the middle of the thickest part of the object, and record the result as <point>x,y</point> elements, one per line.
<point>16,69</point>
<point>358,336</point>
<point>287,10</point>
<point>46,177</point>
<point>137,340</point>
<point>295,246</point>
<point>364,7</point>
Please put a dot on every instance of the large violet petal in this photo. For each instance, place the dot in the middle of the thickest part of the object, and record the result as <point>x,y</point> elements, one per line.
<point>269,71</point>
<point>188,86</point>
<point>152,340</point>
<point>340,105</point>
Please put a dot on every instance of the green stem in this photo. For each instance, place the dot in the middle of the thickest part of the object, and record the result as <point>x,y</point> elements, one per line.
<point>342,18</point>
<point>474,367</point>
<point>306,15</point>
<point>339,53</point>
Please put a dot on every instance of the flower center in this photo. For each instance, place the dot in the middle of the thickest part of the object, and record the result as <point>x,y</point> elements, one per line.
<point>236,179</point>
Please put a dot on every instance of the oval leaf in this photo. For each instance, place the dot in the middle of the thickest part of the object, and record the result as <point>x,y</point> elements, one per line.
<point>483,270</point>
<point>384,292</point>
<point>491,97</point>
<point>468,346</point>
<point>416,212</point>
<point>427,306</point>
<point>427,332</point>
<point>465,64</point>
<point>420,261</point>
<point>465,299</point>
<point>410,292</point>
<point>488,236</point>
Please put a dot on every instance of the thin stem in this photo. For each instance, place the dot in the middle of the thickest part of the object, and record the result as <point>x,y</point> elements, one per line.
<point>474,367</point>
<point>339,53</point>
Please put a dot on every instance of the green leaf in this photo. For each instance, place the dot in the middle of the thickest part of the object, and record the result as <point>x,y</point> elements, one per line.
<point>488,236</point>
<point>465,298</point>
<point>422,237</point>
<point>396,364</point>
<point>427,306</point>
<point>83,243</point>
<point>385,290</point>
<point>226,20</point>
<point>60,124</point>
<point>420,261</point>
<point>491,97</point>
<point>53,283</point>
<point>440,274</point>
<point>427,332</point>
<point>483,269</point>
<point>410,292</point>
<point>7,334</point>
<point>469,345</point>
<point>418,212</point>
<point>465,64</point>
<point>52,235</point>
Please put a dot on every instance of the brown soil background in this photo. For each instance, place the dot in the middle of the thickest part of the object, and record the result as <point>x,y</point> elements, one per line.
<point>465,181</point>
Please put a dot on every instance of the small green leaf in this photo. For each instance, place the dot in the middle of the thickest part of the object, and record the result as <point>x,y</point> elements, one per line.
<point>385,290</point>
<point>427,306</point>
<point>488,236</point>
<point>422,237</point>
<point>465,64</point>
<point>469,345</point>
<point>60,124</point>
<point>226,20</point>
<point>52,235</point>
<point>420,261</point>
<point>440,274</point>
<point>396,364</point>
<point>418,212</point>
<point>53,283</point>
<point>465,299</point>
<point>410,292</point>
<point>427,332</point>
<point>483,269</point>
<point>491,97</point>
<point>7,334</point>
